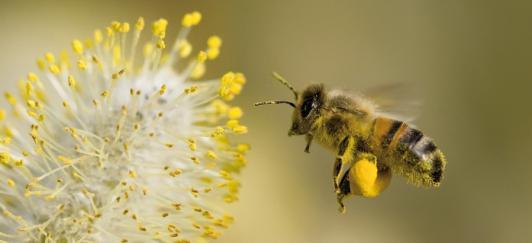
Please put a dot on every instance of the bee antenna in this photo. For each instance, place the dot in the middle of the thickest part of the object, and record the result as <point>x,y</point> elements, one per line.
<point>272,102</point>
<point>285,83</point>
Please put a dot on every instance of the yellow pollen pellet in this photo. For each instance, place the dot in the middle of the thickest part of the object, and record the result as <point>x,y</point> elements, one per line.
<point>77,46</point>
<point>235,113</point>
<point>140,24</point>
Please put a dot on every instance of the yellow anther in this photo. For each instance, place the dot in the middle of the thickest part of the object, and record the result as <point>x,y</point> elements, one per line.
<point>139,26</point>
<point>198,71</point>
<point>64,159</point>
<point>88,43</point>
<point>82,65</point>
<point>214,41</point>
<point>242,147</point>
<point>98,36</point>
<point>160,44</point>
<point>191,89</point>
<point>65,104</point>
<point>110,32</point>
<point>220,107</point>
<point>71,81</point>
<point>41,64</point>
<point>10,98</point>
<point>118,74</point>
<point>54,69</point>
<point>234,113</point>
<point>10,183</point>
<point>218,132</point>
<point>5,157</point>
<point>213,53</point>
<point>33,77</point>
<point>191,19</point>
<point>169,145</point>
<point>162,90</point>
<point>124,28</point>
<point>50,58</point>
<point>211,154</point>
<point>77,46</point>
<point>132,174</point>
<point>232,124</point>
<point>185,48</point>
<point>148,49</point>
<point>105,93</point>
<point>240,78</point>
<point>191,144</point>
<point>115,25</point>
<point>159,28</point>
<point>32,104</point>
<point>202,56</point>
<point>240,129</point>
<point>2,114</point>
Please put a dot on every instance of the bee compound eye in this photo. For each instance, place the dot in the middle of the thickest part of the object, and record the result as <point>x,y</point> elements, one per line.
<point>306,108</point>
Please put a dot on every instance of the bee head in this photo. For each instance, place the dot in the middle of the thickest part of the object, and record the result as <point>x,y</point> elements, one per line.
<point>306,108</point>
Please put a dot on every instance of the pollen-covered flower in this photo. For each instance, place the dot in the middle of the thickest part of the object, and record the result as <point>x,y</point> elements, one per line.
<point>102,146</point>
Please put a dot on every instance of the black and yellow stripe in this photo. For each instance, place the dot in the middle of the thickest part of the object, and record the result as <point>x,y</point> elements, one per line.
<point>407,151</point>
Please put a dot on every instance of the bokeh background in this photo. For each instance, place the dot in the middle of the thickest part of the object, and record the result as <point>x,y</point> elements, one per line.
<point>469,61</point>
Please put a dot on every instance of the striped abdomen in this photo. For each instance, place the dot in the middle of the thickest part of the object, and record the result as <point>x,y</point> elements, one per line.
<point>408,152</point>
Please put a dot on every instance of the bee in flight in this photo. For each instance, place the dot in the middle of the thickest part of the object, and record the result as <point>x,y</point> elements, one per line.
<point>369,145</point>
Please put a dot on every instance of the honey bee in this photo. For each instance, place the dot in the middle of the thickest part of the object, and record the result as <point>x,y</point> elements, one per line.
<point>369,145</point>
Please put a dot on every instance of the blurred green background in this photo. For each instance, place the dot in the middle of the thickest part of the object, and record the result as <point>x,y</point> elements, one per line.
<point>469,61</point>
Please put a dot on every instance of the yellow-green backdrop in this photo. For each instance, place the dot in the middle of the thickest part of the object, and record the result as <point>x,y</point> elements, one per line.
<point>469,61</point>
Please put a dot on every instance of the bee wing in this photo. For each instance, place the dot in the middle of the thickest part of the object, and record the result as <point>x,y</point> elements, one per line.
<point>396,100</point>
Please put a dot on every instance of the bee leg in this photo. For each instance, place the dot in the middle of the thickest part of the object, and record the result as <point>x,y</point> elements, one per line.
<point>342,164</point>
<point>309,138</point>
